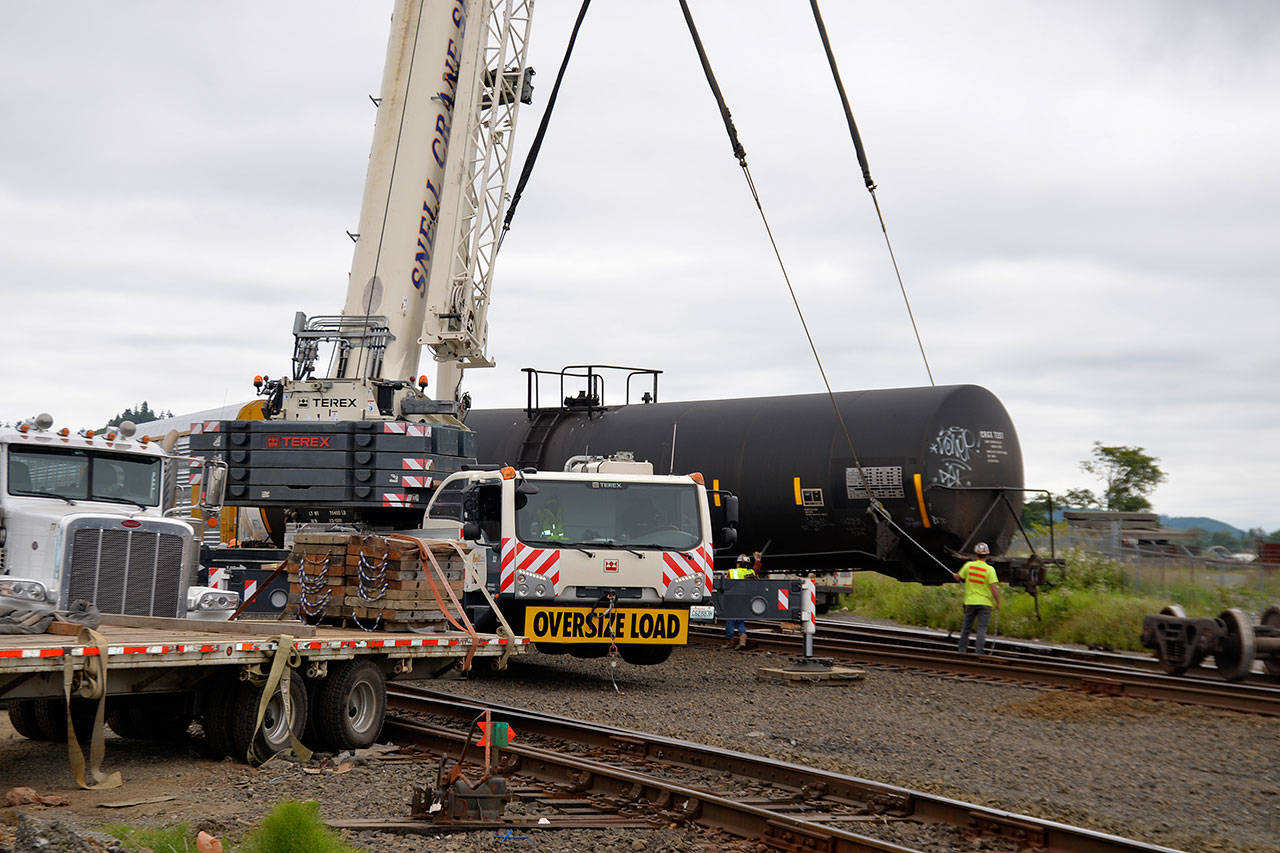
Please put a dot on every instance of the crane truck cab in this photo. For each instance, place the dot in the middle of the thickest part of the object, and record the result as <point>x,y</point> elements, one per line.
<point>83,516</point>
<point>604,554</point>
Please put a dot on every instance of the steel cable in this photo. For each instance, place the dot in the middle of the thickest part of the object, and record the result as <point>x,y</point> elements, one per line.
<point>874,506</point>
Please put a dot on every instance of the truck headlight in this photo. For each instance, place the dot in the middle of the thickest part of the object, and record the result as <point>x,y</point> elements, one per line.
<point>218,600</point>
<point>29,590</point>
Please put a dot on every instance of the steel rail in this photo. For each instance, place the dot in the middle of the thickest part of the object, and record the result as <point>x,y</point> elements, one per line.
<point>1108,681</point>
<point>1009,647</point>
<point>817,787</point>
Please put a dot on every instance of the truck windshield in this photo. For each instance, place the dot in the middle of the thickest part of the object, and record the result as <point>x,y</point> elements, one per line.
<point>611,514</point>
<point>84,475</point>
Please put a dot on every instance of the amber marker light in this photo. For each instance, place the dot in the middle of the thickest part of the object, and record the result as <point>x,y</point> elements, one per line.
<point>697,478</point>
<point>64,432</point>
<point>508,473</point>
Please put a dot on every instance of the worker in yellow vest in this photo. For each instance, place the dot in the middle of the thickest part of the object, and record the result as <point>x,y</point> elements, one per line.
<point>981,594</point>
<point>741,570</point>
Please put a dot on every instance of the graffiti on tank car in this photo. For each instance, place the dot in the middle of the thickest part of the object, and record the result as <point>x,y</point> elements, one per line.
<point>957,447</point>
<point>955,443</point>
<point>439,150</point>
<point>951,473</point>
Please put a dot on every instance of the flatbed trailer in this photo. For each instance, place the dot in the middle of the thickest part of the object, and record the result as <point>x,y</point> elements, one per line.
<point>158,675</point>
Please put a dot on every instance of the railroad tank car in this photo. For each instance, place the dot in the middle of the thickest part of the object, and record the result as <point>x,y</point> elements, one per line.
<point>943,461</point>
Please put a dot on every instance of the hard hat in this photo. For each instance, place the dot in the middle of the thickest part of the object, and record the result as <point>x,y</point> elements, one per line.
<point>981,549</point>
<point>744,560</point>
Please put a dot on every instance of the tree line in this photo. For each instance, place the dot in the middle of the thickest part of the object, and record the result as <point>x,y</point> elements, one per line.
<point>1128,475</point>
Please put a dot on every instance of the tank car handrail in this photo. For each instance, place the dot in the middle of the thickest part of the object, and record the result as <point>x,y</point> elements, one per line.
<point>594,392</point>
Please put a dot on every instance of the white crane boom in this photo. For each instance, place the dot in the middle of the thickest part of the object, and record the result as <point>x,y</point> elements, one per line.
<point>435,190</point>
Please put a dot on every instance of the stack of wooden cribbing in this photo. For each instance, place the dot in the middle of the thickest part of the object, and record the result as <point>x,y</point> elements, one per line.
<point>371,581</point>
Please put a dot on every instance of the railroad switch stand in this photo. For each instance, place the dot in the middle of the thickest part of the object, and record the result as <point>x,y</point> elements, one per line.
<point>454,798</point>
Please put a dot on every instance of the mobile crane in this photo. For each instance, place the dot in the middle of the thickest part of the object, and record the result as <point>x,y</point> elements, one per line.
<point>364,444</point>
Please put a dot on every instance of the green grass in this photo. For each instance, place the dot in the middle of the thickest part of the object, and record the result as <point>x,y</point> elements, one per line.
<point>291,827</point>
<point>177,838</point>
<point>1090,602</point>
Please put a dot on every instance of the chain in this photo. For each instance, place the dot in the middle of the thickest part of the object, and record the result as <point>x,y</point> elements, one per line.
<point>315,588</point>
<point>371,579</point>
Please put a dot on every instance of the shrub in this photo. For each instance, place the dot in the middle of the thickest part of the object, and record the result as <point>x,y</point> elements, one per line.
<point>294,827</point>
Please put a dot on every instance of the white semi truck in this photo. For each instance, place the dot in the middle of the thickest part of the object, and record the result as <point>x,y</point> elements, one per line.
<point>604,555</point>
<point>84,516</point>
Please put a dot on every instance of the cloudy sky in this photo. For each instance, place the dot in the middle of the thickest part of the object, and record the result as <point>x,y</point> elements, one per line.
<point>1084,199</point>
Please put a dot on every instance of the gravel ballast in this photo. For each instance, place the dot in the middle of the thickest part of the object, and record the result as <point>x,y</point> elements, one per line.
<point>1184,777</point>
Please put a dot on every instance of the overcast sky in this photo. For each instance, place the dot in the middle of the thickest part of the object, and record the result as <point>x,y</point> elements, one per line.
<point>1084,198</point>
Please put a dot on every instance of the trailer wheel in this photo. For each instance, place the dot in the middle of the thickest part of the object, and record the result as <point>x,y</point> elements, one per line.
<point>273,736</point>
<point>1271,619</point>
<point>22,715</point>
<point>214,703</point>
<point>161,717</point>
<point>126,723</point>
<point>353,703</point>
<point>51,718</point>
<point>310,732</point>
<point>645,655</point>
<point>1235,657</point>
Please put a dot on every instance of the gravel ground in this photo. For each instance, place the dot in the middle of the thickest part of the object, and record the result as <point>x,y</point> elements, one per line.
<point>1184,777</point>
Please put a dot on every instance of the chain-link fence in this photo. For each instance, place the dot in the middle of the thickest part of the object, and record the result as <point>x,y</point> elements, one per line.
<point>1160,568</point>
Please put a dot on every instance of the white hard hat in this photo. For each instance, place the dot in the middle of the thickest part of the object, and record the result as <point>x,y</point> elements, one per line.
<point>981,548</point>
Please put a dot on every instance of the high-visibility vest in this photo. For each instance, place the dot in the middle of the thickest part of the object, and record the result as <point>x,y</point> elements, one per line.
<point>738,573</point>
<point>975,575</point>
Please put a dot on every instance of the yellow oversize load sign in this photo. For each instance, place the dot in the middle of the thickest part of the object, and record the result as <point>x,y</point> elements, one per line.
<point>625,625</point>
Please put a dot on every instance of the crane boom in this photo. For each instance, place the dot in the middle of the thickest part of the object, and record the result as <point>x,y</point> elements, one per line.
<point>435,188</point>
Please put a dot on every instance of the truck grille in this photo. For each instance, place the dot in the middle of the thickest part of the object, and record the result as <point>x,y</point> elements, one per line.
<point>137,572</point>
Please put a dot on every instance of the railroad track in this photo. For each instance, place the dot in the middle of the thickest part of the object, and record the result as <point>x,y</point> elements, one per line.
<point>858,644</point>
<point>633,777</point>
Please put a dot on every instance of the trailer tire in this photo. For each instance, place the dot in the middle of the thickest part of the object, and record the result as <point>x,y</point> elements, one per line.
<point>310,733</point>
<point>273,736</point>
<point>126,723</point>
<point>22,716</point>
<point>645,655</point>
<point>215,703</point>
<point>51,717</point>
<point>160,717</point>
<point>352,706</point>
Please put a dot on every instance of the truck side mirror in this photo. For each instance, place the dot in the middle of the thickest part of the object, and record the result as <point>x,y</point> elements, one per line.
<point>471,531</point>
<point>731,510</point>
<point>729,533</point>
<point>213,485</point>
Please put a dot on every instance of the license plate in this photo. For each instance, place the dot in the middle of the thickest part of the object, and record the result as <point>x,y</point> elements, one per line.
<point>632,625</point>
<point>702,613</point>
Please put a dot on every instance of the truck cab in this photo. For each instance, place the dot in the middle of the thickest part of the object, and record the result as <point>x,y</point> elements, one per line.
<point>83,516</point>
<point>605,554</point>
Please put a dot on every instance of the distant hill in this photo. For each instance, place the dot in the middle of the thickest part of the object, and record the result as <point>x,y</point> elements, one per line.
<point>1186,522</point>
